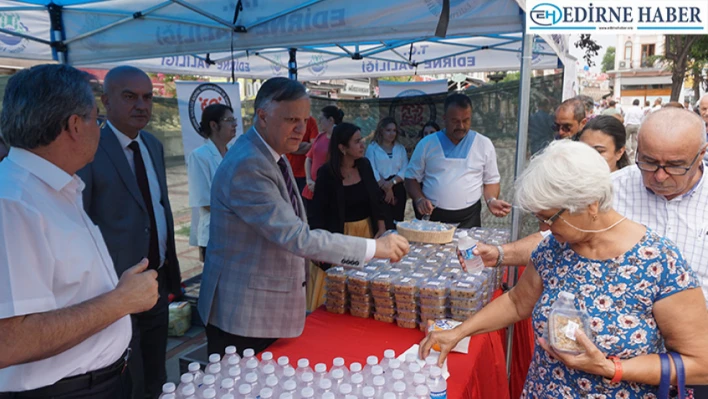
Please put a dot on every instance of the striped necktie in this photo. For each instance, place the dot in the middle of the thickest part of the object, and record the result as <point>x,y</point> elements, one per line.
<point>289,184</point>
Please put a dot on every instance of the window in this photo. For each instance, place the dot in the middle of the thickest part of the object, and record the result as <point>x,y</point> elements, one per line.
<point>647,51</point>
<point>628,50</point>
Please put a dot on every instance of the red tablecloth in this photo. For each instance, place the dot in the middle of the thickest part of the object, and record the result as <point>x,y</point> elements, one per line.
<point>480,374</point>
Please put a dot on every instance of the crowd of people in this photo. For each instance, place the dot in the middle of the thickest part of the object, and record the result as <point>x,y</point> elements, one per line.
<point>89,259</point>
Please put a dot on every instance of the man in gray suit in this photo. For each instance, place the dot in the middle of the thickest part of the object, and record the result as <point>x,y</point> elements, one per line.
<point>253,286</point>
<point>126,197</point>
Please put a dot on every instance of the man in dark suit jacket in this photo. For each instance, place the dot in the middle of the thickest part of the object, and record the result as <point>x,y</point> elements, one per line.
<point>126,196</point>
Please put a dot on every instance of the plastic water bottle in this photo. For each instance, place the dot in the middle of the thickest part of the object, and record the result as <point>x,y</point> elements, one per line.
<point>413,369</point>
<point>272,382</point>
<point>307,392</point>
<point>307,380</point>
<point>289,374</point>
<point>214,358</point>
<point>437,384</point>
<point>422,392</point>
<point>371,361</point>
<point>245,392</point>
<point>338,364</point>
<point>290,387</point>
<point>229,362</point>
<point>410,359</point>
<point>376,371</point>
<point>466,245</point>
<point>215,370</point>
<point>252,380</point>
<point>248,354</point>
<point>196,370</point>
<point>357,383</point>
<point>226,386</point>
<point>337,377</point>
<point>267,371</point>
<point>266,393</point>
<point>388,355</point>
<point>320,372</point>
<point>399,388</point>
<point>398,375</point>
<point>282,362</point>
<point>188,391</point>
<point>430,361</point>
<point>344,390</point>
<point>209,393</point>
<point>368,392</point>
<point>379,385</point>
<point>267,359</point>
<point>229,353</point>
<point>168,389</point>
<point>184,380</point>
<point>235,374</point>
<point>303,366</point>
<point>393,364</point>
<point>209,382</point>
<point>325,385</point>
<point>419,379</point>
<point>252,367</point>
<point>355,368</point>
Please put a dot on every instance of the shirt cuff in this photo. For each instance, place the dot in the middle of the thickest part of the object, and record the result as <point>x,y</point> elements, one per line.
<point>370,249</point>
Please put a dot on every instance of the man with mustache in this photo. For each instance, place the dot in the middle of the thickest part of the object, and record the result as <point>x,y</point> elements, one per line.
<point>457,167</point>
<point>126,197</point>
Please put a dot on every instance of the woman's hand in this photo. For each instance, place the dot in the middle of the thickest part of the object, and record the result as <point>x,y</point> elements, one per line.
<point>446,340</point>
<point>593,361</point>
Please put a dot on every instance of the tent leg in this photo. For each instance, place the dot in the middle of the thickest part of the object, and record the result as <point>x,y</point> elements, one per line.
<point>57,33</point>
<point>292,64</point>
<point>521,144</point>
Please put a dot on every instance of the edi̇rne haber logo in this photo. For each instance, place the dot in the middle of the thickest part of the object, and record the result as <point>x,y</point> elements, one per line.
<point>572,16</point>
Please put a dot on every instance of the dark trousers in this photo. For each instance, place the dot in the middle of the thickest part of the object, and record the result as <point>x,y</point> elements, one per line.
<point>467,217</point>
<point>396,212</point>
<point>117,387</point>
<point>149,345</point>
<point>218,340</point>
<point>301,183</point>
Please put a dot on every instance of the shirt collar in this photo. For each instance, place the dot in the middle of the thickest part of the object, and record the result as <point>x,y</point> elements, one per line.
<point>123,139</point>
<point>214,151</point>
<point>46,171</point>
<point>275,155</point>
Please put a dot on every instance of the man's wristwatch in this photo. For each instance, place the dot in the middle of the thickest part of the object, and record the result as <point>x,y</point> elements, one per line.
<point>490,200</point>
<point>500,257</point>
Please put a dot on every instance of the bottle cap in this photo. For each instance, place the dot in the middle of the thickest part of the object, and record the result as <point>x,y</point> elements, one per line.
<point>377,370</point>
<point>418,379</point>
<point>167,396</point>
<point>389,395</point>
<point>244,389</point>
<point>249,352</point>
<point>328,395</point>
<point>399,386</point>
<point>398,374</point>
<point>431,360</point>
<point>252,363</point>
<point>414,368</point>
<point>234,371</point>
<point>290,385</point>
<point>566,295</point>
<point>325,383</point>
<point>209,393</point>
<point>230,350</point>
<point>379,381</point>
<point>462,234</point>
<point>288,371</point>
<point>368,392</point>
<point>214,358</point>
<point>389,354</point>
<point>168,387</point>
<point>209,379</point>
<point>411,357</point>
<point>307,377</point>
<point>188,390</point>
<point>268,369</point>
<point>435,371</point>
<point>338,362</point>
<point>320,368</point>
<point>272,381</point>
<point>194,367</point>
<point>266,393</point>
<point>372,360</point>
<point>394,364</point>
<point>251,378</point>
<point>186,378</point>
<point>355,367</point>
<point>266,356</point>
<point>357,378</point>
<point>421,390</point>
<point>307,392</point>
<point>283,361</point>
<point>227,383</point>
<point>233,361</point>
<point>227,396</point>
<point>338,374</point>
<point>302,363</point>
<point>345,389</point>
<point>214,368</point>
<point>286,395</point>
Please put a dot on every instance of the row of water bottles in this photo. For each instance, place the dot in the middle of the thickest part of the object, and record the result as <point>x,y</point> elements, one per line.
<point>233,377</point>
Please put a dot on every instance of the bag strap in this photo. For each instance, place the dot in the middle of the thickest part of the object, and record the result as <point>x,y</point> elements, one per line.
<point>680,374</point>
<point>665,376</point>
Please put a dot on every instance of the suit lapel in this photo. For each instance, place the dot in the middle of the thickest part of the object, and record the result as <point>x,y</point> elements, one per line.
<point>110,144</point>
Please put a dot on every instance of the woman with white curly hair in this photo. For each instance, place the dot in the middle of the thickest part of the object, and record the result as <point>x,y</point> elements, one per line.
<point>642,298</point>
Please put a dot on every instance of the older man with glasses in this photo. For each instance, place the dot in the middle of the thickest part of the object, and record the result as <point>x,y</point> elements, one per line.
<point>570,118</point>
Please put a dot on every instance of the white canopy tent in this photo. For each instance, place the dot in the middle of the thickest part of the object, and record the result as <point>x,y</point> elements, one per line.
<point>333,38</point>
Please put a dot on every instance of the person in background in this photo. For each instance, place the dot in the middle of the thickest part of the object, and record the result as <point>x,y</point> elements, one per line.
<point>589,104</point>
<point>606,135</point>
<point>632,120</point>
<point>457,168</point>
<point>647,108</point>
<point>569,118</point>
<point>330,116</point>
<point>541,126</point>
<point>3,149</point>
<point>657,105</point>
<point>640,294</point>
<point>126,197</point>
<point>611,109</point>
<point>253,285</point>
<point>64,314</point>
<point>297,158</point>
<point>348,198</point>
<point>430,127</point>
<point>366,120</point>
<point>218,127</point>
<point>389,161</point>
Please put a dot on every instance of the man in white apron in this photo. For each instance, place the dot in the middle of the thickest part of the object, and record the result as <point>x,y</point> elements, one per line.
<point>457,167</point>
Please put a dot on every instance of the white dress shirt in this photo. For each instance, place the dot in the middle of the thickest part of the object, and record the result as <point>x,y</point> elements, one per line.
<point>385,165</point>
<point>454,181</point>
<point>370,244</point>
<point>633,116</point>
<point>683,220</point>
<point>201,166</point>
<point>155,192</point>
<point>51,257</point>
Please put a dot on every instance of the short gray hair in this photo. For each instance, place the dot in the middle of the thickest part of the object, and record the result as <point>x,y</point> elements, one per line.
<point>575,105</point>
<point>566,174</point>
<point>39,101</point>
<point>276,90</point>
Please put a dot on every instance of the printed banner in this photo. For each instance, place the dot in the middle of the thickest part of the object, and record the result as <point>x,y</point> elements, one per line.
<point>406,89</point>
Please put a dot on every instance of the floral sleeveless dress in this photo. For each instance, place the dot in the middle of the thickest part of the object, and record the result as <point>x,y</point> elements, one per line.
<point>619,295</point>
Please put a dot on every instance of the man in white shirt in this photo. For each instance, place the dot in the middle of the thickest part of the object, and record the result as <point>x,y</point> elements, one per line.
<point>632,121</point>
<point>457,167</point>
<point>64,315</point>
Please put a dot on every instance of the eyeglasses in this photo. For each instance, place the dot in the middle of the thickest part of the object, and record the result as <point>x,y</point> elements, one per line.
<point>670,170</point>
<point>550,220</point>
<point>566,127</point>
<point>101,121</point>
<point>229,120</point>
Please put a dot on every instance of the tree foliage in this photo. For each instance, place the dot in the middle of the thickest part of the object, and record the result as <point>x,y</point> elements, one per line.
<point>608,60</point>
<point>590,47</point>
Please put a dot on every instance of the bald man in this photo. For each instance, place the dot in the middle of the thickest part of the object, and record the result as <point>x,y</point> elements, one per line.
<point>126,197</point>
<point>570,118</point>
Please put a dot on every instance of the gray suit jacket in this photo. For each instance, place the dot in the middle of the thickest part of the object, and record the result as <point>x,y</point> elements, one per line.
<point>113,201</point>
<point>253,283</point>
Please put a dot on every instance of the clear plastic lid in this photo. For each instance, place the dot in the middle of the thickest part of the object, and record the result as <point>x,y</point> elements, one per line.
<point>564,321</point>
<point>360,277</point>
<point>433,287</point>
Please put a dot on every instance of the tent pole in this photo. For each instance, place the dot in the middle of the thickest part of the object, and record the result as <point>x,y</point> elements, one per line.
<point>292,64</point>
<point>58,36</point>
<point>521,144</point>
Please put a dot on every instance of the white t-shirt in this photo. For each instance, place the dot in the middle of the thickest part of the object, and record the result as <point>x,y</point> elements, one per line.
<point>53,257</point>
<point>385,165</point>
<point>454,176</point>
